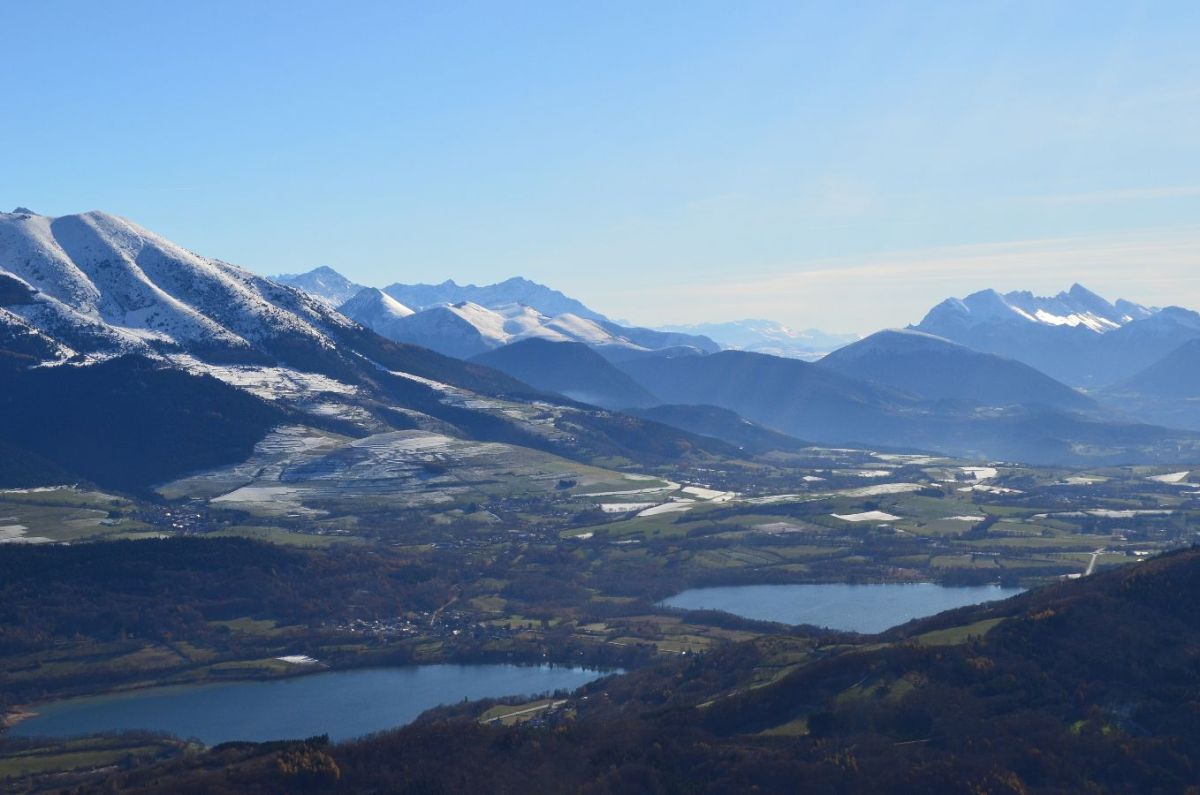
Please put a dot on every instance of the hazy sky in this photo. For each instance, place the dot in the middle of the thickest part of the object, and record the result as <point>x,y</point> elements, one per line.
<point>842,165</point>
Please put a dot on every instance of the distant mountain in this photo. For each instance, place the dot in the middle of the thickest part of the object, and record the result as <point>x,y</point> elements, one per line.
<point>516,290</point>
<point>660,339</point>
<point>767,336</point>
<point>619,355</point>
<point>324,282</point>
<point>1166,392</point>
<point>377,311</point>
<point>1076,337</point>
<point>788,395</point>
<point>722,424</point>
<point>1078,307</point>
<point>1176,375</point>
<point>465,320</point>
<point>809,401</point>
<point>467,329</point>
<point>569,368</point>
<point>934,368</point>
<point>1129,349</point>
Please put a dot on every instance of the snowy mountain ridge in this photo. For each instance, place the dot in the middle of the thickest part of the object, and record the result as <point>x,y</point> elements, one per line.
<point>516,290</point>
<point>466,320</point>
<point>1076,307</point>
<point>1077,336</point>
<point>99,284</point>
<point>466,329</point>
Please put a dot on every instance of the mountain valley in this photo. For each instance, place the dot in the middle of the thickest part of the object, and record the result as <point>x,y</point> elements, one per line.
<point>210,477</point>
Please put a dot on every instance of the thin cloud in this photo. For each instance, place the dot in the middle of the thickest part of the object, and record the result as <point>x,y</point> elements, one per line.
<point>864,294</point>
<point>1128,195</point>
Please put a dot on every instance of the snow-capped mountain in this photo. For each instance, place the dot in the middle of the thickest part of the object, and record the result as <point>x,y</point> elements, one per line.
<point>98,284</point>
<point>466,320</point>
<point>188,362</point>
<point>376,310</point>
<point>767,336</point>
<point>516,290</point>
<point>1076,337</point>
<point>91,287</point>
<point>323,282</point>
<point>1078,307</point>
<point>467,329</point>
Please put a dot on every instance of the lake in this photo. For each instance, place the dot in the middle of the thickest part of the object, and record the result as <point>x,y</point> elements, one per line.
<point>342,704</point>
<point>855,608</point>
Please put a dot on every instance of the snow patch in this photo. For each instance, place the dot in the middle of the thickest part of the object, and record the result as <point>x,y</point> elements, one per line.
<point>1173,478</point>
<point>866,516</point>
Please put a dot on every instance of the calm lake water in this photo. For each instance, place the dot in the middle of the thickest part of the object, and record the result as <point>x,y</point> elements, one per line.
<point>342,704</point>
<point>856,608</point>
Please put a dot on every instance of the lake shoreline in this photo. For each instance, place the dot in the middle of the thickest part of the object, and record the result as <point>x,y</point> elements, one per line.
<point>348,703</point>
<point>863,608</point>
<point>379,658</point>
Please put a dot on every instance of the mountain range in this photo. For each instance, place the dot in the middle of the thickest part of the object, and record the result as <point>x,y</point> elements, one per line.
<point>1076,336</point>
<point>78,292</point>
<point>516,290</point>
<point>91,304</point>
<point>466,320</point>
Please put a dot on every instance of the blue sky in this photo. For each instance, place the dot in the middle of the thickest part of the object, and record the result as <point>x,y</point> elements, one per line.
<point>842,165</point>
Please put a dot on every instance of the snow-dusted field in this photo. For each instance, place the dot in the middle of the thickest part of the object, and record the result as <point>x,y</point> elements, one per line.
<point>863,473</point>
<point>269,383</point>
<point>983,487</point>
<point>15,534</point>
<point>649,490</point>
<point>624,507</point>
<point>900,458</point>
<point>882,488</point>
<point>709,495</point>
<point>1173,478</point>
<point>668,507</point>
<point>866,516</point>
<point>297,470</point>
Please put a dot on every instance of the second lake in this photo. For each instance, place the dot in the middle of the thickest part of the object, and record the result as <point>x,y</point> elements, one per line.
<point>854,608</point>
